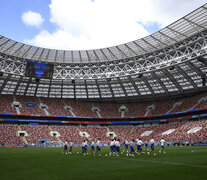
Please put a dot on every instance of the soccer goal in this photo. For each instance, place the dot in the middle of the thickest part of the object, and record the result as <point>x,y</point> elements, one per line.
<point>55,144</point>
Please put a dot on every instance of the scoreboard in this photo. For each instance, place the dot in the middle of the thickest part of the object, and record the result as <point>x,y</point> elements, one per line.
<point>39,70</point>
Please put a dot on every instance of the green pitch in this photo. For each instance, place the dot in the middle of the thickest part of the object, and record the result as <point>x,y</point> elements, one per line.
<point>49,163</point>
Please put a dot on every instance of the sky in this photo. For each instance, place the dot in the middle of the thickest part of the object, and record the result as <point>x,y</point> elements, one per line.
<point>88,24</point>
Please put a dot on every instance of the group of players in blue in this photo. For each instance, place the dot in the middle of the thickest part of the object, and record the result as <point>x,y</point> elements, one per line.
<point>65,151</point>
<point>115,144</point>
<point>95,147</point>
<point>139,145</point>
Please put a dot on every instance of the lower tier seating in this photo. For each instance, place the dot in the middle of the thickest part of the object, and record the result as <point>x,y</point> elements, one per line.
<point>185,131</point>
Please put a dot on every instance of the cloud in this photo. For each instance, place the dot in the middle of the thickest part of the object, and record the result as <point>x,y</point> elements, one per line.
<point>86,24</point>
<point>32,18</point>
<point>59,39</point>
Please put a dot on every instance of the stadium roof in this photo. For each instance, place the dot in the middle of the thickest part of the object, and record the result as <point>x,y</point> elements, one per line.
<point>169,62</point>
<point>174,33</point>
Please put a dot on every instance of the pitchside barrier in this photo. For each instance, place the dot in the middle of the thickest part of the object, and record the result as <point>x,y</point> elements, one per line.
<point>200,144</point>
<point>13,146</point>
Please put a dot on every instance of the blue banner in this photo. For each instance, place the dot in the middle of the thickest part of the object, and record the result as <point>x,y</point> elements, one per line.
<point>30,104</point>
<point>81,117</point>
<point>36,121</point>
<point>135,122</point>
<point>202,115</point>
<point>43,140</point>
<point>34,124</point>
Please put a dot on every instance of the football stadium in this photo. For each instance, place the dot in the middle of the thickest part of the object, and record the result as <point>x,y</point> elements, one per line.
<point>131,111</point>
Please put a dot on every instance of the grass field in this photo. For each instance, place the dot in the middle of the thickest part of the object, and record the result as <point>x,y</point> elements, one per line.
<point>49,163</point>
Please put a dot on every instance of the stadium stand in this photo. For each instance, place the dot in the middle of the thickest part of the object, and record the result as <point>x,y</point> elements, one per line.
<point>8,135</point>
<point>189,103</point>
<point>35,133</point>
<point>69,133</point>
<point>80,108</point>
<point>52,107</point>
<point>6,104</point>
<point>109,109</point>
<point>95,132</point>
<point>29,110</point>
<point>162,107</point>
<point>136,109</point>
<point>122,133</point>
<point>181,132</point>
<point>177,131</point>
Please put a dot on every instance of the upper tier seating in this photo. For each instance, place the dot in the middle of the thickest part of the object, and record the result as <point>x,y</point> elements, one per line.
<point>189,102</point>
<point>79,108</point>
<point>29,110</point>
<point>6,104</point>
<point>109,110</point>
<point>56,107</point>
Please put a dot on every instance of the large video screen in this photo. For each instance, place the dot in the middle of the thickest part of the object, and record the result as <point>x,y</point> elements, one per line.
<point>39,70</point>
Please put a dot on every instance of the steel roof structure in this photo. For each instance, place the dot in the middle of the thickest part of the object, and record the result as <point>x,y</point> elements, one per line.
<point>167,63</point>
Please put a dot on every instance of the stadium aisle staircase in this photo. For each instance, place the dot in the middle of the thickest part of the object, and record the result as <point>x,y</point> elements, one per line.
<point>24,138</point>
<point>132,130</point>
<point>78,129</point>
<point>60,140</point>
<point>204,125</point>
<point>70,110</point>
<point>50,129</point>
<point>56,137</point>
<point>19,127</point>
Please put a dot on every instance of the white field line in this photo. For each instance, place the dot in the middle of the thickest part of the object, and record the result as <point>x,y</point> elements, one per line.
<point>165,162</point>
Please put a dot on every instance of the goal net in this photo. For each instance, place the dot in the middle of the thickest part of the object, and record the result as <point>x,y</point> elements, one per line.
<point>55,144</point>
